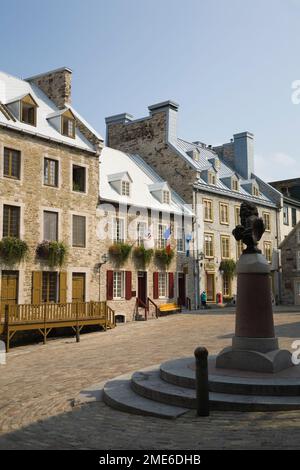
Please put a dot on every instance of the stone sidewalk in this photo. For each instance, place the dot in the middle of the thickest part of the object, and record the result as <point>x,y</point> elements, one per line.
<point>39,383</point>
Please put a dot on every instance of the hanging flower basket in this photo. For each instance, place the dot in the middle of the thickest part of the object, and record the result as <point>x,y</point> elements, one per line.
<point>142,255</point>
<point>164,256</point>
<point>228,267</point>
<point>54,253</point>
<point>12,250</point>
<point>119,252</point>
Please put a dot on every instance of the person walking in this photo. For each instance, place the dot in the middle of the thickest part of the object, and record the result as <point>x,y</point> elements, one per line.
<point>203,299</point>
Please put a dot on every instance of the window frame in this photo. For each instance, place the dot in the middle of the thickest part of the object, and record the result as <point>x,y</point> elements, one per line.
<point>68,119</point>
<point>85,231</point>
<point>227,239</point>
<point>85,169</point>
<point>11,233</point>
<point>122,285</point>
<point>267,215</point>
<point>225,205</point>
<point>34,107</point>
<point>161,242</point>
<point>56,161</point>
<point>210,202</point>
<point>47,275</point>
<point>268,246</point>
<point>162,275</point>
<point>117,220</point>
<point>10,153</point>
<point>286,215</point>
<point>57,224</point>
<point>212,243</point>
<point>125,184</point>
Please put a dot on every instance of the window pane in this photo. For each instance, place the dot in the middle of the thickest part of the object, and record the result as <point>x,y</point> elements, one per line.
<point>12,161</point>
<point>49,287</point>
<point>50,226</point>
<point>78,230</point>
<point>11,221</point>
<point>78,178</point>
<point>118,230</point>
<point>162,284</point>
<point>118,289</point>
<point>50,172</point>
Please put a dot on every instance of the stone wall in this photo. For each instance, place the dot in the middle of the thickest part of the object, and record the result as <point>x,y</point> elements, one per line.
<point>56,84</point>
<point>290,269</point>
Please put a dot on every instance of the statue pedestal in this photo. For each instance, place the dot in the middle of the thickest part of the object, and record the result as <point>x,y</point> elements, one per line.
<point>254,346</point>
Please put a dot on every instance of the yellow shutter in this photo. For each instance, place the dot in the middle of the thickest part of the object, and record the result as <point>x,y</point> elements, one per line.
<point>37,287</point>
<point>63,287</point>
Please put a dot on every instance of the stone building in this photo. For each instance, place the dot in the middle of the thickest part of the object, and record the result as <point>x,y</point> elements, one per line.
<point>213,180</point>
<point>290,214</point>
<point>140,212</point>
<point>290,261</point>
<point>49,180</point>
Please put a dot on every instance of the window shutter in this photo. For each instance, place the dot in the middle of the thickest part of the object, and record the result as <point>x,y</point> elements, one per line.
<point>109,285</point>
<point>128,292</point>
<point>37,287</point>
<point>63,287</point>
<point>155,285</point>
<point>171,285</point>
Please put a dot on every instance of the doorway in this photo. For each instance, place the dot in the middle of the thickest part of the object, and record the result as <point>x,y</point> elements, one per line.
<point>181,289</point>
<point>142,287</point>
<point>9,289</point>
<point>78,287</point>
<point>210,287</point>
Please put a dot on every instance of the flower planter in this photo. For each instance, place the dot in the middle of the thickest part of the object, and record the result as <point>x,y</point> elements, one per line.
<point>12,250</point>
<point>54,253</point>
<point>119,252</point>
<point>164,257</point>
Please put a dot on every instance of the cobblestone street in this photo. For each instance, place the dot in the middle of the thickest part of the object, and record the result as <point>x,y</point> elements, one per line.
<point>39,383</point>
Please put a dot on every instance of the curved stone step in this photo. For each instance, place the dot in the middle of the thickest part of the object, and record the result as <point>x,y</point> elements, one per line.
<point>149,384</point>
<point>118,394</point>
<point>285,383</point>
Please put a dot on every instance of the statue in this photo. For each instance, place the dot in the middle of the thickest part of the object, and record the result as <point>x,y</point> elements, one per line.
<point>251,229</point>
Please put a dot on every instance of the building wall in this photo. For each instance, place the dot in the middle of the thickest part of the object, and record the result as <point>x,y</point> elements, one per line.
<point>32,196</point>
<point>290,268</point>
<point>287,225</point>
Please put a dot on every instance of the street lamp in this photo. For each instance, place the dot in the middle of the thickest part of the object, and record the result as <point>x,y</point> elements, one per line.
<point>104,259</point>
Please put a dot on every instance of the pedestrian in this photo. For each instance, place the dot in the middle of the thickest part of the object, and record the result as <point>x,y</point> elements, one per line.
<point>203,299</point>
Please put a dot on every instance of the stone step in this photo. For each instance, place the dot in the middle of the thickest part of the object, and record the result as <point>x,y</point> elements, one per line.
<point>118,394</point>
<point>285,383</point>
<point>149,384</point>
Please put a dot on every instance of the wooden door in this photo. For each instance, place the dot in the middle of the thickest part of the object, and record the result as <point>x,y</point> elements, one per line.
<point>210,287</point>
<point>9,289</point>
<point>142,287</point>
<point>78,290</point>
<point>181,289</point>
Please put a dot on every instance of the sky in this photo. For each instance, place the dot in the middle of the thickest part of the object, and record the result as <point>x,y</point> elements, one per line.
<point>230,64</point>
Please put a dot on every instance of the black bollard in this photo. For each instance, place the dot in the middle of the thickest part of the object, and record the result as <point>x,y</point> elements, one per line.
<point>202,393</point>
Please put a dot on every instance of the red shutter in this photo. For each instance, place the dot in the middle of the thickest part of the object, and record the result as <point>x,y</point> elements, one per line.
<point>128,284</point>
<point>155,285</point>
<point>171,285</point>
<point>109,285</point>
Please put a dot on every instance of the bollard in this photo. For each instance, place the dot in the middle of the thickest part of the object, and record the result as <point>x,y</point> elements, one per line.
<point>202,393</point>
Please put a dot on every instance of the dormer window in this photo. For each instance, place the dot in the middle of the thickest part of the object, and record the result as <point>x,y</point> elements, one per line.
<point>255,191</point>
<point>28,109</point>
<point>125,188</point>
<point>166,197</point>
<point>68,126</point>
<point>212,178</point>
<point>234,184</point>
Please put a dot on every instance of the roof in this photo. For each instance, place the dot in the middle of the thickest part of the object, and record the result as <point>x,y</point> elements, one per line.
<point>13,89</point>
<point>143,177</point>
<point>205,162</point>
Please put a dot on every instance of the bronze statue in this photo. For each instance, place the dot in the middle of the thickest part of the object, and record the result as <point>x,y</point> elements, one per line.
<point>251,229</point>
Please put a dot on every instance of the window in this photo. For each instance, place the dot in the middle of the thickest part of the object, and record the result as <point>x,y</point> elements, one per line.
<point>79,175</point>
<point>226,286</point>
<point>11,221</point>
<point>12,163</point>
<point>118,230</point>
<point>119,285</point>
<point>267,221</point>
<point>208,210</point>
<point>125,188</point>
<point>209,245</point>
<point>162,285</point>
<point>140,232</point>
<point>166,197</point>
<point>161,241</point>
<point>68,127</point>
<point>285,215</point>
<point>211,178</point>
<point>79,230</point>
<point>49,287</point>
<point>50,172</point>
<point>268,251</point>
<point>234,184</point>
<point>255,191</point>
<point>239,248</point>
<point>180,240</point>
<point>50,226</point>
<point>225,247</point>
<point>28,113</point>
<point>224,213</point>
<point>294,216</point>
<point>237,215</point>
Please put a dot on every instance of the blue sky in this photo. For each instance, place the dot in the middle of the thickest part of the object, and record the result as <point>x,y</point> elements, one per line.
<point>230,64</point>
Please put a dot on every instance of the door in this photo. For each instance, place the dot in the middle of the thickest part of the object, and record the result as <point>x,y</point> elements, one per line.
<point>210,287</point>
<point>9,289</point>
<point>78,289</point>
<point>297,292</point>
<point>142,287</point>
<point>181,289</point>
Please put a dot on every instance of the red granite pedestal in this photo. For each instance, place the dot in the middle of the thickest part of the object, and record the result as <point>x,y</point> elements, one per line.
<point>254,346</point>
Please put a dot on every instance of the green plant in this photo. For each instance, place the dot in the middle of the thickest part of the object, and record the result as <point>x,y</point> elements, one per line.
<point>53,252</point>
<point>142,254</point>
<point>120,251</point>
<point>164,256</point>
<point>228,267</point>
<point>12,250</point>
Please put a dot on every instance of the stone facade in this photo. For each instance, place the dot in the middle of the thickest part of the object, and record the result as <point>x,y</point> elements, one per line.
<point>290,262</point>
<point>56,84</point>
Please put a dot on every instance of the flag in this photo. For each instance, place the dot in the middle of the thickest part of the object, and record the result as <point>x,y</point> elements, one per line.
<point>167,237</point>
<point>148,238</point>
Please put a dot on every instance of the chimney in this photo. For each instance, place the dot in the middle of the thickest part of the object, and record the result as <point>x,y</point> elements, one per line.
<point>244,154</point>
<point>171,109</point>
<point>56,84</point>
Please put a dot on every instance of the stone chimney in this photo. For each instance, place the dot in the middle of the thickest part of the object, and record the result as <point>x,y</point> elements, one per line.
<point>56,84</point>
<point>244,154</point>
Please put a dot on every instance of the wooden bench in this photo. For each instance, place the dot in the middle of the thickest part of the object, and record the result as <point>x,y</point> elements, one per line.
<point>171,307</point>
